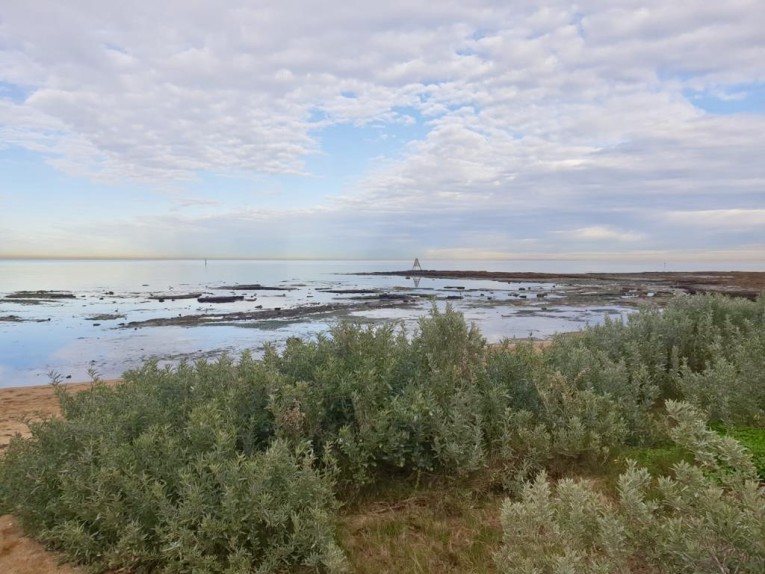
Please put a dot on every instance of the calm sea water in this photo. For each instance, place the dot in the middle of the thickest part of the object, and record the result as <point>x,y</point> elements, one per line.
<point>66,337</point>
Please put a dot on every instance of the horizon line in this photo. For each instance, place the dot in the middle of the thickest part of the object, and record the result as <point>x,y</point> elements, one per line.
<point>749,256</point>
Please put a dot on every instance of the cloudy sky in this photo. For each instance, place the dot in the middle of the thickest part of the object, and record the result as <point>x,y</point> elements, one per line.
<point>627,130</point>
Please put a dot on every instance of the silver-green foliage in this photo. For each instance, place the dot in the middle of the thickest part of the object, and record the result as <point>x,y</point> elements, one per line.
<point>627,380</point>
<point>376,400</point>
<point>707,517</point>
<point>573,426</point>
<point>731,386</point>
<point>173,471</point>
<point>209,467</point>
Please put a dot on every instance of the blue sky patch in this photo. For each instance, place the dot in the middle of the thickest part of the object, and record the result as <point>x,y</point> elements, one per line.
<point>13,92</point>
<point>348,149</point>
<point>738,100</point>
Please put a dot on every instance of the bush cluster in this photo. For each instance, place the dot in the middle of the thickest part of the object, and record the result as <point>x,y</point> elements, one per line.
<point>173,471</point>
<point>705,517</point>
<point>238,466</point>
<point>708,350</point>
<point>379,402</point>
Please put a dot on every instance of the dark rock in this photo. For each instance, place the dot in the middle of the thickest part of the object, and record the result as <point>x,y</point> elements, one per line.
<point>253,287</point>
<point>220,298</point>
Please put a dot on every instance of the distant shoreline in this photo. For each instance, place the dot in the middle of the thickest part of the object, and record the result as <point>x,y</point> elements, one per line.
<point>103,323</point>
<point>748,284</point>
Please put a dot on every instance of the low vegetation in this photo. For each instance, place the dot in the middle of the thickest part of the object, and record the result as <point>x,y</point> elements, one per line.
<point>708,516</point>
<point>371,449</point>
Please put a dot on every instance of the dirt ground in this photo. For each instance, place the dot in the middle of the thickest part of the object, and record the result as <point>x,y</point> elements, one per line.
<point>19,404</point>
<point>19,554</point>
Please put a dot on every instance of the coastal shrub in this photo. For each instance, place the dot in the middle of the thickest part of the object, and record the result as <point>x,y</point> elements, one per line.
<point>707,517</point>
<point>627,381</point>
<point>731,387</point>
<point>720,390</point>
<point>154,396</point>
<point>509,385</point>
<point>645,341</point>
<point>525,450</point>
<point>540,416</point>
<point>706,349</point>
<point>573,428</point>
<point>337,379</point>
<point>381,401</point>
<point>173,471</point>
<point>582,423</point>
<point>753,440</point>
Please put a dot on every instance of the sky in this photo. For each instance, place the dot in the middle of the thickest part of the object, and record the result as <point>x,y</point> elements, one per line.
<point>596,130</point>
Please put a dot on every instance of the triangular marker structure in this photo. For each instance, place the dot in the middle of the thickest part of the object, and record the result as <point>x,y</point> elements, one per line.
<point>416,266</point>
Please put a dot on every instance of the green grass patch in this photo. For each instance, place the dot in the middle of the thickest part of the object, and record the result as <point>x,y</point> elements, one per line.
<point>754,441</point>
<point>658,460</point>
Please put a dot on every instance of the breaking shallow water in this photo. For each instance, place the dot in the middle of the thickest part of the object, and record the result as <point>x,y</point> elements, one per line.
<point>67,317</point>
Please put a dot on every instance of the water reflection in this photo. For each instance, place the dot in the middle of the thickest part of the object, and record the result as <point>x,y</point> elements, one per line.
<point>91,330</point>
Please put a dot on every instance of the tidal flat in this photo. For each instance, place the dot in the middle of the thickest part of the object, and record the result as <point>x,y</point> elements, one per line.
<point>107,317</point>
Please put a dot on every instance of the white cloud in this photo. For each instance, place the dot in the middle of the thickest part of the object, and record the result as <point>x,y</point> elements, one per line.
<point>165,90</point>
<point>732,219</point>
<point>534,119</point>
<point>600,233</point>
<point>652,257</point>
<point>190,202</point>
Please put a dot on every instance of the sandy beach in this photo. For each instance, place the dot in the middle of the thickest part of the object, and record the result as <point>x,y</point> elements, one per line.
<point>20,404</point>
<point>21,555</point>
